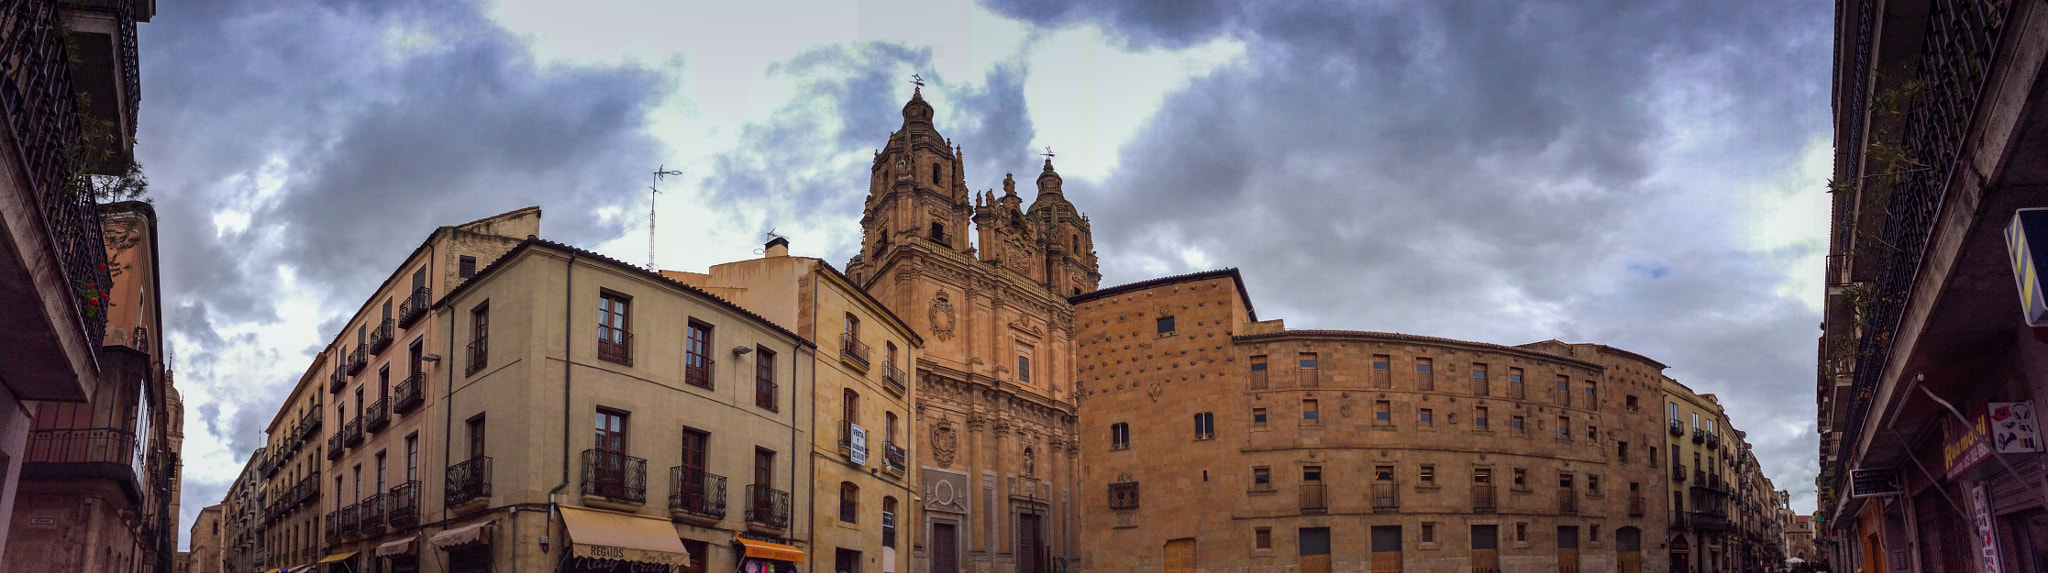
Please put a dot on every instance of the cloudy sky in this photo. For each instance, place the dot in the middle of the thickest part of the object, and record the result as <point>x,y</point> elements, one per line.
<point>1644,174</point>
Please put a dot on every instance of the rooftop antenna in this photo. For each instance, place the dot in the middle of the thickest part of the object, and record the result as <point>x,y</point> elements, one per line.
<point>652,190</point>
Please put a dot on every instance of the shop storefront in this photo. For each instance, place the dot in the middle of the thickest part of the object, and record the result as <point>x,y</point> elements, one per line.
<point>607,542</point>
<point>758,556</point>
<point>468,547</point>
<point>400,556</point>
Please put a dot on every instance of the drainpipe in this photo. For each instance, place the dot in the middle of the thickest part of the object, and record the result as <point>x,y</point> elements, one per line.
<point>810,454</point>
<point>568,357</point>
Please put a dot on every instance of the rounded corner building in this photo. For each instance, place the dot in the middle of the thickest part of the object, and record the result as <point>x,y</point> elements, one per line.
<point>1210,436</point>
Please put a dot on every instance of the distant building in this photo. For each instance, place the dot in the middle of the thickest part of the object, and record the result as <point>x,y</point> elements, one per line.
<point>204,553</point>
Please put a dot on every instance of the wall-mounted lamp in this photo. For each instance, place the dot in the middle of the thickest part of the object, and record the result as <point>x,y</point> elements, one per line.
<point>737,350</point>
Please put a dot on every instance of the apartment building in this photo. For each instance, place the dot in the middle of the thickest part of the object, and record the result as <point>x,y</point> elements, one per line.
<point>861,444</point>
<point>1702,531</point>
<point>96,480</point>
<point>204,553</point>
<point>1212,440</point>
<point>68,62</point>
<point>578,370</point>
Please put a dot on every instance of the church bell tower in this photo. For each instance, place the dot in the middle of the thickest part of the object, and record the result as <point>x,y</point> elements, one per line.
<point>916,193</point>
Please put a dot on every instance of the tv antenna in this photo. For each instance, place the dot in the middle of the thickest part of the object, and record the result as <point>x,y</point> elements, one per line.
<point>653,190</point>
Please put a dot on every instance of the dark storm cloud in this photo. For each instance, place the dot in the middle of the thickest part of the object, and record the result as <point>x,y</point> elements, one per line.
<point>328,139</point>
<point>1489,171</point>
<point>807,168</point>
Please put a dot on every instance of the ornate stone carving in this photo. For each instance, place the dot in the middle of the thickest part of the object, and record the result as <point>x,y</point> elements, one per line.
<point>1155,390</point>
<point>944,444</point>
<point>942,317</point>
<point>1030,463</point>
<point>1022,326</point>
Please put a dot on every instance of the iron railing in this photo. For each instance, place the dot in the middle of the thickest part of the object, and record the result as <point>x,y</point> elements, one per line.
<point>1699,435</point>
<point>408,394</point>
<point>333,527</point>
<point>110,446</point>
<point>370,514</point>
<point>767,506</point>
<point>616,346</point>
<point>893,376</point>
<point>696,492</point>
<point>1567,502</point>
<point>1713,441</point>
<point>1314,498</point>
<point>895,458</point>
<point>414,307</point>
<point>1483,498</point>
<point>352,432</point>
<point>377,415</point>
<point>479,356</point>
<point>698,374</point>
<point>1635,506</point>
<point>357,361</point>
<point>339,379</point>
<point>851,348</point>
<point>614,475</point>
<point>380,337</point>
<point>43,114</point>
<point>469,480</point>
<point>404,504</point>
<point>1386,496</point>
<point>1678,473</point>
<point>334,447</point>
<point>1677,428</point>
<point>349,524</point>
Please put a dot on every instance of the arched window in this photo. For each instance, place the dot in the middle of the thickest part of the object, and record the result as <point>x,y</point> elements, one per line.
<point>849,502</point>
<point>888,521</point>
<point>935,174</point>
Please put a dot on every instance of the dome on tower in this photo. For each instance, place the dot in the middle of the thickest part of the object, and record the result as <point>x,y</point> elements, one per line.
<point>916,110</point>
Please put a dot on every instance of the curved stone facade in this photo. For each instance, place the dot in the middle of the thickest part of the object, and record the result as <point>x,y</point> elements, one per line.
<point>1212,440</point>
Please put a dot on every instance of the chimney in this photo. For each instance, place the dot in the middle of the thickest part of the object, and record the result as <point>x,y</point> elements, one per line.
<point>777,247</point>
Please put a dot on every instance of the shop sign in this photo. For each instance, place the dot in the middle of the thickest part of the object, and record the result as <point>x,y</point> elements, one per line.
<point>2014,427</point>
<point>1965,446</point>
<point>859,447</point>
<point>1987,536</point>
<point>1875,482</point>
<point>2026,244</point>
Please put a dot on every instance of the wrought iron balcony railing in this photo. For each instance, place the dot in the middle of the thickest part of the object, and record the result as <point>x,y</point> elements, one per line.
<point>616,346</point>
<point>697,371</point>
<point>377,415</point>
<point>469,480</point>
<point>615,476</point>
<point>893,376</point>
<point>408,394</point>
<point>349,523</point>
<point>1567,502</point>
<point>339,379</point>
<point>357,361</point>
<point>696,493</point>
<point>1635,506</point>
<point>1678,473</point>
<point>352,433</point>
<point>479,357</point>
<point>370,513</point>
<point>333,527</point>
<point>851,348</point>
<point>1386,496</point>
<point>1314,498</point>
<point>334,447</point>
<point>1483,498</point>
<point>1677,428</point>
<point>895,458</point>
<point>1699,435</point>
<point>767,506</point>
<point>403,503</point>
<point>1713,441</point>
<point>414,307</point>
<point>380,337</point>
<point>108,453</point>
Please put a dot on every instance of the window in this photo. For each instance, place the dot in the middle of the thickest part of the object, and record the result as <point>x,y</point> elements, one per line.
<point>764,468</point>
<point>935,174</point>
<point>697,355</point>
<point>1119,436</point>
<point>476,437</point>
<point>1621,451</point>
<point>1262,478</point>
<point>611,432</point>
<point>1516,424</point>
<point>1592,396</point>
<point>1593,484</point>
<point>1652,456</point>
<point>849,502</point>
<point>849,414</point>
<point>1258,372</point>
<point>1427,417</point>
<point>1522,531</point>
<point>1521,478</point>
<point>1205,426</point>
<point>889,421</point>
<point>1674,411</point>
<point>764,379</point>
<point>1515,389</point>
<point>1308,412</point>
<point>1428,475</point>
<point>1309,373</point>
<point>1479,417</point>
<point>1564,428</point>
<point>412,457</point>
<point>1165,325</point>
<point>1563,391</point>
<point>466,267</point>
<point>1382,371</point>
<point>1023,363</point>
<point>1262,538</point>
<point>1592,433</point>
<point>612,313</point>
<point>888,521</point>
<point>1631,404</point>
<point>1482,475</point>
<point>1383,473</point>
<point>1695,420</point>
<point>479,337</point>
<point>1258,417</point>
<point>380,472</point>
<point>1382,413</point>
<point>938,232</point>
<point>1429,532</point>
<point>1425,374</point>
<point>1480,385</point>
<point>1314,541</point>
<point>692,467</point>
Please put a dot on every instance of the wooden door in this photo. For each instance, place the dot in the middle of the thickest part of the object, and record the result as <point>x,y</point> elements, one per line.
<point>1567,549</point>
<point>692,486</point>
<point>1027,544</point>
<point>610,442</point>
<point>945,552</point>
<point>1315,550</point>
<point>1485,548</point>
<point>1386,548</point>
<point>1180,555</point>
<point>1628,542</point>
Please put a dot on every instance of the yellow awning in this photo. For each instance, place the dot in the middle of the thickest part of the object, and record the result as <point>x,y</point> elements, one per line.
<point>336,557</point>
<point>604,535</point>
<point>766,550</point>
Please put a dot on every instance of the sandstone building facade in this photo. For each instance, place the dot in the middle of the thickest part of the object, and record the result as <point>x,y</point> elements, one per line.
<point>996,411</point>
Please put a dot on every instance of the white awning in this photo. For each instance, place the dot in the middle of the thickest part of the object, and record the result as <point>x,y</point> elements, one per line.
<point>465,535</point>
<point>606,535</point>
<point>400,547</point>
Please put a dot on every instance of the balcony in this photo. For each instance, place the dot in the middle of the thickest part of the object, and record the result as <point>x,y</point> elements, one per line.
<point>1713,441</point>
<point>339,379</point>
<point>349,525</point>
<point>1635,506</point>
<point>616,346</point>
<point>1678,473</point>
<point>403,504</point>
<point>1483,498</point>
<point>1386,497</point>
<point>380,337</point>
<point>1699,436</point>
<point>1314,498</point>
<point>479,357</point>
<point>309,425</point>
<point>408,394</point>
<point>1709,521</point>
<point>767,507</point>
<point>699,373</point>
<point>334,447</point>
<point>696,495</point>
<point>352,432</point>
<point>84,454</point>
<point>1567,502</point>
<point>1677,428</point>
<point>414,307</point>
<point>356,361</point>
<point>377,416</point>
<point>894,459</point>
<point>614,476</point>
<point>893,376</point>
<point>853,350</point>
<point>371,515</point>
<point>333,527</point>
<point>469,481</point>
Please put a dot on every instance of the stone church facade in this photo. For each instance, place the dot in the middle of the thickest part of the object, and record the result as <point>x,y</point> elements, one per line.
<point>995,420</point>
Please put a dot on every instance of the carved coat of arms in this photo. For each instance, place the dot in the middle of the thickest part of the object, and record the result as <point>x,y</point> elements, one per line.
<point>942,316</point>
<point>944,444</point>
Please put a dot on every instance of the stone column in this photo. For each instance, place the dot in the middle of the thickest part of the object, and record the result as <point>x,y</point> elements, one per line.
<point>1002,509</point>
<point>977,430</point>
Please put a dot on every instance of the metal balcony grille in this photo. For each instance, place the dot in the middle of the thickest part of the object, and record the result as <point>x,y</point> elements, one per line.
<point>352,433</point>
<point>895,458</point>
<point>696,492</point>
<point>370,514</point>
<point>414,307</point>
<point>1314,498</point>
<point>357,361</point>
<point>614,475</point>
<point>409,394</point>
<point>1386,496</point>
<point>852,348</point>
<point>1483,498</point>
<point>616,346</point>
<point>42,112</point>
<point>767,506</point>
<point>377,415</point>
<point>479,357</point>
<point>893,376</point>
<point>699,374</point>
<point>380,337</point>
<point>469,480</point>
<point>404,504</point>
